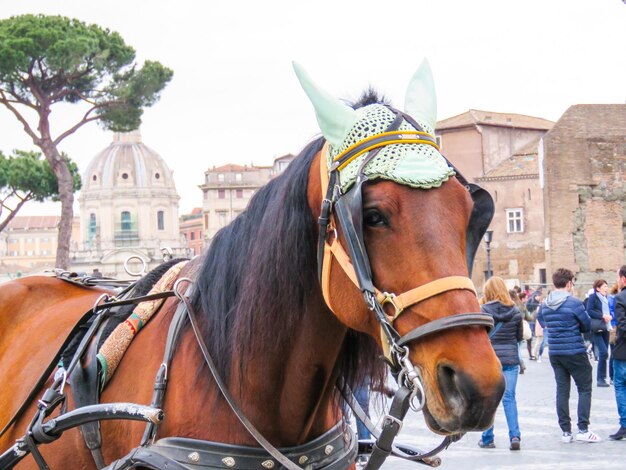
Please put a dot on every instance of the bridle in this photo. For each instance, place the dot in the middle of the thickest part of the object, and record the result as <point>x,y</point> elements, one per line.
<point>344,210</point>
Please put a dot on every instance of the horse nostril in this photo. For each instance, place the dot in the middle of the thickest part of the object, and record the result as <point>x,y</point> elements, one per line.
<point>449,386</point>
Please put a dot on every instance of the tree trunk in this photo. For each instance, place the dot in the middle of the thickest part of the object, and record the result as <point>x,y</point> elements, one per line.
<point>66,195</point>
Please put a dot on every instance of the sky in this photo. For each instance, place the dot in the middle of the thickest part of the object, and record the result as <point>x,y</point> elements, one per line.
<point>235,99</point>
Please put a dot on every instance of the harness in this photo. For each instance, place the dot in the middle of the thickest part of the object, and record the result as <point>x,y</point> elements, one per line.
<point>337,448</point>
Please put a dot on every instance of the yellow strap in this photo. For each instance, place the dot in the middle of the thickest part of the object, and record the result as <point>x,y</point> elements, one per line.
<point>382,144</point>
<point>426,291</point>
<point>382,134</point>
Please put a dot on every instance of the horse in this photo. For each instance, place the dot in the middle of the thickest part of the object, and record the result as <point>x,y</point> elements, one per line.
<point>282,315</point>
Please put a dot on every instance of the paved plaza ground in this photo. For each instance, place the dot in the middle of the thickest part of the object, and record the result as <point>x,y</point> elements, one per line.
<point>541,436</point>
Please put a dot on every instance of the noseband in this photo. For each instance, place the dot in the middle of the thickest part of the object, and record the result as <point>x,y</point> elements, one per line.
<point>345,211</point>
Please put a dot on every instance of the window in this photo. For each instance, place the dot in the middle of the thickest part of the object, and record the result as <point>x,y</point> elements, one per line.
<point>221,194</point>
<point>192,235</point>
<point>222,219</point>
<point>438,139</point>
<point>514,220</point>
<point>161,220</point>
<point>239,193</point>
<point>220,177</point>
<point>91,230</point>
<point>126,223</point>
<point>238,177</point>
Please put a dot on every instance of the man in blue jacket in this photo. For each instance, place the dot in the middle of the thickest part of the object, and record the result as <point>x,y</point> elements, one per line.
<point>566,319</point>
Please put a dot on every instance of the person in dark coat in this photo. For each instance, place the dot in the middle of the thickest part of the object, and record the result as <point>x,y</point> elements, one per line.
<point>566,319</point>
<point>598,308</point>
<point>508,333</point>
<point>619,355</point>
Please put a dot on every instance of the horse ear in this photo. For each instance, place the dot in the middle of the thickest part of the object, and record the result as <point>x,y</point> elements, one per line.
<point>421,101</point>
<point>334,117</point>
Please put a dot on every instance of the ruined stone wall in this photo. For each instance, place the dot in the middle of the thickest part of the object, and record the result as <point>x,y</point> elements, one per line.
<point>585,192</point>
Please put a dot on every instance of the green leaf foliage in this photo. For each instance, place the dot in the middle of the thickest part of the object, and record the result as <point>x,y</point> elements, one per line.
<point>29,172</point>
<point>50,59</point>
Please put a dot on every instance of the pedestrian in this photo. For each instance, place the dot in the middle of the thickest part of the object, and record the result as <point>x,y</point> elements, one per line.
<point>619,355</point>
<point>598,310</point>
<point>541,338</point>
<point>530,318</point>
<point>612,293</point>
<point>515,298</point>
<point>565,317</point>
<point>505,338</point>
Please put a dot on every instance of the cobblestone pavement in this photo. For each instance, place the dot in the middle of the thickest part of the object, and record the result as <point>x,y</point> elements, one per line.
<point>541,436</point>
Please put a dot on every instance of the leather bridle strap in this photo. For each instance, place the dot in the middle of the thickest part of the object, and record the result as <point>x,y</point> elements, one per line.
<point>426,291</point>
<point>445,323</point>
<point>401,301</point>
<point>273,451</point>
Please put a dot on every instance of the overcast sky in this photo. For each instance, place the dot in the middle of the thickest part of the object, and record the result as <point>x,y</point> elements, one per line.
<point>235,99</point>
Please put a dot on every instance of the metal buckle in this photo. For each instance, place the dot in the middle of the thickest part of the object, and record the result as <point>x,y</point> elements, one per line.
<point>177,284</point>
<point>388,419</point>
<point>410,376</point>
<point>390,298</point>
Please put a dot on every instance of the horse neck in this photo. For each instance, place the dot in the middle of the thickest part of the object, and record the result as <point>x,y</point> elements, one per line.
<point>289,388</point>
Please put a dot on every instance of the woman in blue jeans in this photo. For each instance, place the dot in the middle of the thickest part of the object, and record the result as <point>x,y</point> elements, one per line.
<point>598,308</point>
<point>507,333</point>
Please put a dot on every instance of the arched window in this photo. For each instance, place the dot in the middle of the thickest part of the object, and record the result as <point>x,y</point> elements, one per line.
<point>160,220</point>
<point>92,229</point>
<point>126,222</point>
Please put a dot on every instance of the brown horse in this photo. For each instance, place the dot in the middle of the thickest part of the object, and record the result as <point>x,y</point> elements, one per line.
<point>276,343</point>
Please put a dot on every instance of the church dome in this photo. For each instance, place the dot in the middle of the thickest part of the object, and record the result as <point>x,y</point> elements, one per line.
<point>127,163</point>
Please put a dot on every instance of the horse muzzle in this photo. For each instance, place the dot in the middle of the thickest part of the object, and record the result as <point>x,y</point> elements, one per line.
<point>460,402</point>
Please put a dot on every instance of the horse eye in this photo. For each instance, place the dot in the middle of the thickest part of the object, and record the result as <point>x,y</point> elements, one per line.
<point>373,218</point>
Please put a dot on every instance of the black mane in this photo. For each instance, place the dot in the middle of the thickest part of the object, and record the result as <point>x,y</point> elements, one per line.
<point>260,272</point>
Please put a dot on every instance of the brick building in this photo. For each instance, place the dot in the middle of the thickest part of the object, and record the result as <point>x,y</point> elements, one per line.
<point>192,231</point>
<point>584,179</point>
<point>499,152</point>
<point>478,141</point>
<point>517,249</point>
<point>228,189</point>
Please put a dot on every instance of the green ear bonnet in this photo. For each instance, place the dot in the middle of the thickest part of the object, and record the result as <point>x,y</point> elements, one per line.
<point>412,164</point>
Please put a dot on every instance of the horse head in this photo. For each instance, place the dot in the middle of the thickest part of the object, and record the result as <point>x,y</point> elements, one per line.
<point>399,230</point>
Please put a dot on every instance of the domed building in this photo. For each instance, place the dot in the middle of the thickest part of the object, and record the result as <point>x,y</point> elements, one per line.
<point>128,208</point>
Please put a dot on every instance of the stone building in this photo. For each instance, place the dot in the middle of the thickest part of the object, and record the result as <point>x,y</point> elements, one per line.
<point>499,152</point>
<point>28,244</point>
<point>478,141</point>
<point>128,207</point>
<point>228,189</point>
<point>517,248</point>
<point>584,180</point>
